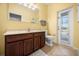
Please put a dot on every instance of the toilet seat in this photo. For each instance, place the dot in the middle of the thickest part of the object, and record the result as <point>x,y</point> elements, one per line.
<point>49,36</point>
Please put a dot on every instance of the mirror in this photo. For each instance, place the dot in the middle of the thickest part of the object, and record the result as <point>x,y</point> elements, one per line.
<point>20,12</point>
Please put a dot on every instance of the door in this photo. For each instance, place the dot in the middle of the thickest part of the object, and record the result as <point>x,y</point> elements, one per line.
<point>14,49</point>
<point>36,42</point>
<point>65,27</point>
<point>28,46</point>
<point>42,40</point>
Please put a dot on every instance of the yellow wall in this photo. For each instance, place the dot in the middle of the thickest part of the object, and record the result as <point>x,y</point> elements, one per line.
<point>7,24</point>
<point>52,20</point>
<point>3,18</point>
<point>43,12</point>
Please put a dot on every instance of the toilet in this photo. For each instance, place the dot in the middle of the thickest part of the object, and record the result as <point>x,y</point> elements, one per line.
<point>49,39</point>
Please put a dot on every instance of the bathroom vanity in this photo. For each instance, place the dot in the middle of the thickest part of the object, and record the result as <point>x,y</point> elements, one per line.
<point>23,44</point>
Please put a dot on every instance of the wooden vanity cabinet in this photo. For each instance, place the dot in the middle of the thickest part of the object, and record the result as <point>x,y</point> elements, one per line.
<point>23,44</point>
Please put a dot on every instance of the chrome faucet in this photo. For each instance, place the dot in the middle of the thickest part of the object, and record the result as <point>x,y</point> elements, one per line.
<point>28,29</point>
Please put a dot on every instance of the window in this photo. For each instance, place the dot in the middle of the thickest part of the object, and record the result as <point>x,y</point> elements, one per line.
<point>14,17</point>
<point>64,20</point>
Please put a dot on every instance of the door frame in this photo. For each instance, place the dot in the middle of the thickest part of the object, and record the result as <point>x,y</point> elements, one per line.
<point>71,24</point>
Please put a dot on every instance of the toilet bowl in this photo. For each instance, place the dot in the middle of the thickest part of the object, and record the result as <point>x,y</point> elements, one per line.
<point>49,40</point>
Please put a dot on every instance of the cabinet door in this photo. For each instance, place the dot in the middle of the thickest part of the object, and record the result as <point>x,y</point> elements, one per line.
<point>36,42</point>
<point>42,41</point>
<point>14,49</point>
<point>21,48</point>
<point>28,46</point>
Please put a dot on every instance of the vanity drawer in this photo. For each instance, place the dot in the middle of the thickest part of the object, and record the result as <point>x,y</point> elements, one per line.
<point>42,33</point>
<point>37,34</point>
<point>11,38</point>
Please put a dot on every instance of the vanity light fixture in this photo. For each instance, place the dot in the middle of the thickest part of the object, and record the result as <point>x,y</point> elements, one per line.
<point>32,6</point>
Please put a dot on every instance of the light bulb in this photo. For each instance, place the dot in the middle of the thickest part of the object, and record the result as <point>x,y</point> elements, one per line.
<point>26,5</point>
<point>33,8</point>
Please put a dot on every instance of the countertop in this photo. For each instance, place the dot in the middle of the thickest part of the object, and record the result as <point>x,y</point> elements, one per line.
<point>21,31</point>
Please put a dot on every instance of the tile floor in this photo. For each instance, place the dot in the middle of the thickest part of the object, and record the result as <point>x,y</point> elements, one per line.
<point>55,50</point>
